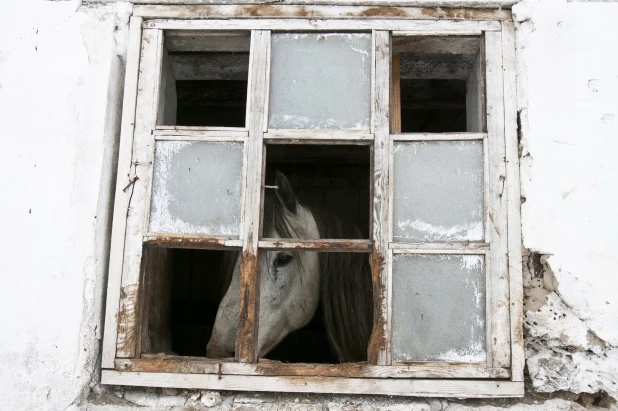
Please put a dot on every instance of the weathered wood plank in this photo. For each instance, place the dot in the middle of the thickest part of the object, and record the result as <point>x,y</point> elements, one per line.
<point>222,137</point>
<point>437,136</point>
<point>514,202</point>
<point>156,302</point>
<point>317,11</point>
<point>189,241</point>
<point>190,40</point>
<point>395,114</point>
<point>379,343</point>
<point>141,171</point>
<point>436,45</point>
<point>122,196</point>
<point>329,245</point>
<point>403,27</point>
<point>278,134</point>
<point>443,251</point>
<point>476,118</point>
<point>195,365</point>
<point>248,321</point>
<point>404,387</point>
<point>439,246</point>
<point>498,289</point>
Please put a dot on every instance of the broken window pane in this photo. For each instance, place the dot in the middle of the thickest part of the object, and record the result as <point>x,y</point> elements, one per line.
<point>438,191</point>
<point>320,81</point>
<point>196,188</point>
<point>438,308</point>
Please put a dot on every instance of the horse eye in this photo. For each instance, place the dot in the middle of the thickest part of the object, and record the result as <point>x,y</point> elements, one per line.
<point>283,260</point>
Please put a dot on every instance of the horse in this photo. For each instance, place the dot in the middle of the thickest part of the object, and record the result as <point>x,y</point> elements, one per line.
<point>297,285</point>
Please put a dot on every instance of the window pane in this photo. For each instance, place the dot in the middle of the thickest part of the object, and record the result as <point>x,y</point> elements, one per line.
<point>196,188</point>
<point>438,191</point>
<point>438,308</point>
<point>320,81</point>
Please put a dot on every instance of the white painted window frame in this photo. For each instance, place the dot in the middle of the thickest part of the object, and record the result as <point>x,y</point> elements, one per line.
<point>500,376</point>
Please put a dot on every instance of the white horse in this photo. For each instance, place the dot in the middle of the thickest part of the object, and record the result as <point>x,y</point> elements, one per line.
<point>295,284</point>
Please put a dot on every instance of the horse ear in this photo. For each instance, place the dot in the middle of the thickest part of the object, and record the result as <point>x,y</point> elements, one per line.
<point>285,194</point>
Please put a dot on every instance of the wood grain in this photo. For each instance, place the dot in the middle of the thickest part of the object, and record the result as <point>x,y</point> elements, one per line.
<point>122,197</point>
<point>402,27</point>
<point>248,319</point>
<point>198,365</point>
<point>514,202</point>
<point>141,171</point>
<point>317,11</point>
<point>498,289</point>
<point>379,346</point>
<point>403,387</point>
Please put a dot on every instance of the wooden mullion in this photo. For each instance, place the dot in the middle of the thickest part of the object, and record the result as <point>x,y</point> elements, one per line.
<point>320,135</point>
<point>141,171</point>
<point>200,365</point>
<point>440,246</point>
<point>498,289</point>
<point>395,97</point>
<point>248,318</point>
<point>122,196</point>
<point>368,11</point>
<point>170,240</point>
<point>437,136</point>
<point>379,343</point>
<point>514,202</point>
<point>326,245</point>
<point>402,27</point>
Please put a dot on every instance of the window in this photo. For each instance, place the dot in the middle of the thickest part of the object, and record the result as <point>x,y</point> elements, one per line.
<point>258,155</point>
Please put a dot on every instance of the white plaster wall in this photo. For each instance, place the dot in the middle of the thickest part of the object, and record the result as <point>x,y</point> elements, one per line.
<point>568,96</point>
<point>58,66</point>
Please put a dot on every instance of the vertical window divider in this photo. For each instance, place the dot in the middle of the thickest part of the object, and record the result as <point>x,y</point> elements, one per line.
<point>141,168</point>
<point>248,318</point>
<point>499,287</point>
<point>379,347</point>
<point>122,196</point>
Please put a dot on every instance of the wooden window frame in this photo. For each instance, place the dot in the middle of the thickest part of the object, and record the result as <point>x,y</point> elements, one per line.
<point>123,364</point>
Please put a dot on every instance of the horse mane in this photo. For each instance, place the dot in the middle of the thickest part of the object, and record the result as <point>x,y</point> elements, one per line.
<point>346,302</point>
<point>346,296</point>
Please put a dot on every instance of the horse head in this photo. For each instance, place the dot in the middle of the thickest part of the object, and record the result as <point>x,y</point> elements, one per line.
<point>290,281</point>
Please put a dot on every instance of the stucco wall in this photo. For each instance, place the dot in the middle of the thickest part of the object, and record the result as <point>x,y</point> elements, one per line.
<point>61,74</point>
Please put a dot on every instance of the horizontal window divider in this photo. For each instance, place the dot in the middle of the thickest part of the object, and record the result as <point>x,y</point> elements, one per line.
<point>473,388</point>
<point>437,136</point>
<point>471,32</point>
<point>328,135</point>
<point>417,27</point>
<point>202,137</point>
<point>331,245</point>
<point>201,365</point>
<point>199,128</point>
<point>315,11</point>
<point>170,240</point>
<point>230,135</point>
<point>455,251</point>
<point>440,246</point>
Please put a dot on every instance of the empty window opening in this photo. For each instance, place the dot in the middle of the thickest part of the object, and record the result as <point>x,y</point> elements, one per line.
<point>436,85</point>
<point>204,80</point>
<point>183,289</point>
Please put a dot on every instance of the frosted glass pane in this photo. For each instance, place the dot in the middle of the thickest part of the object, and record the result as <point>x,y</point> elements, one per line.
<point>438,191</point>
<point>320,81</point>
<point>196,188</point>
<point>438,308</point>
